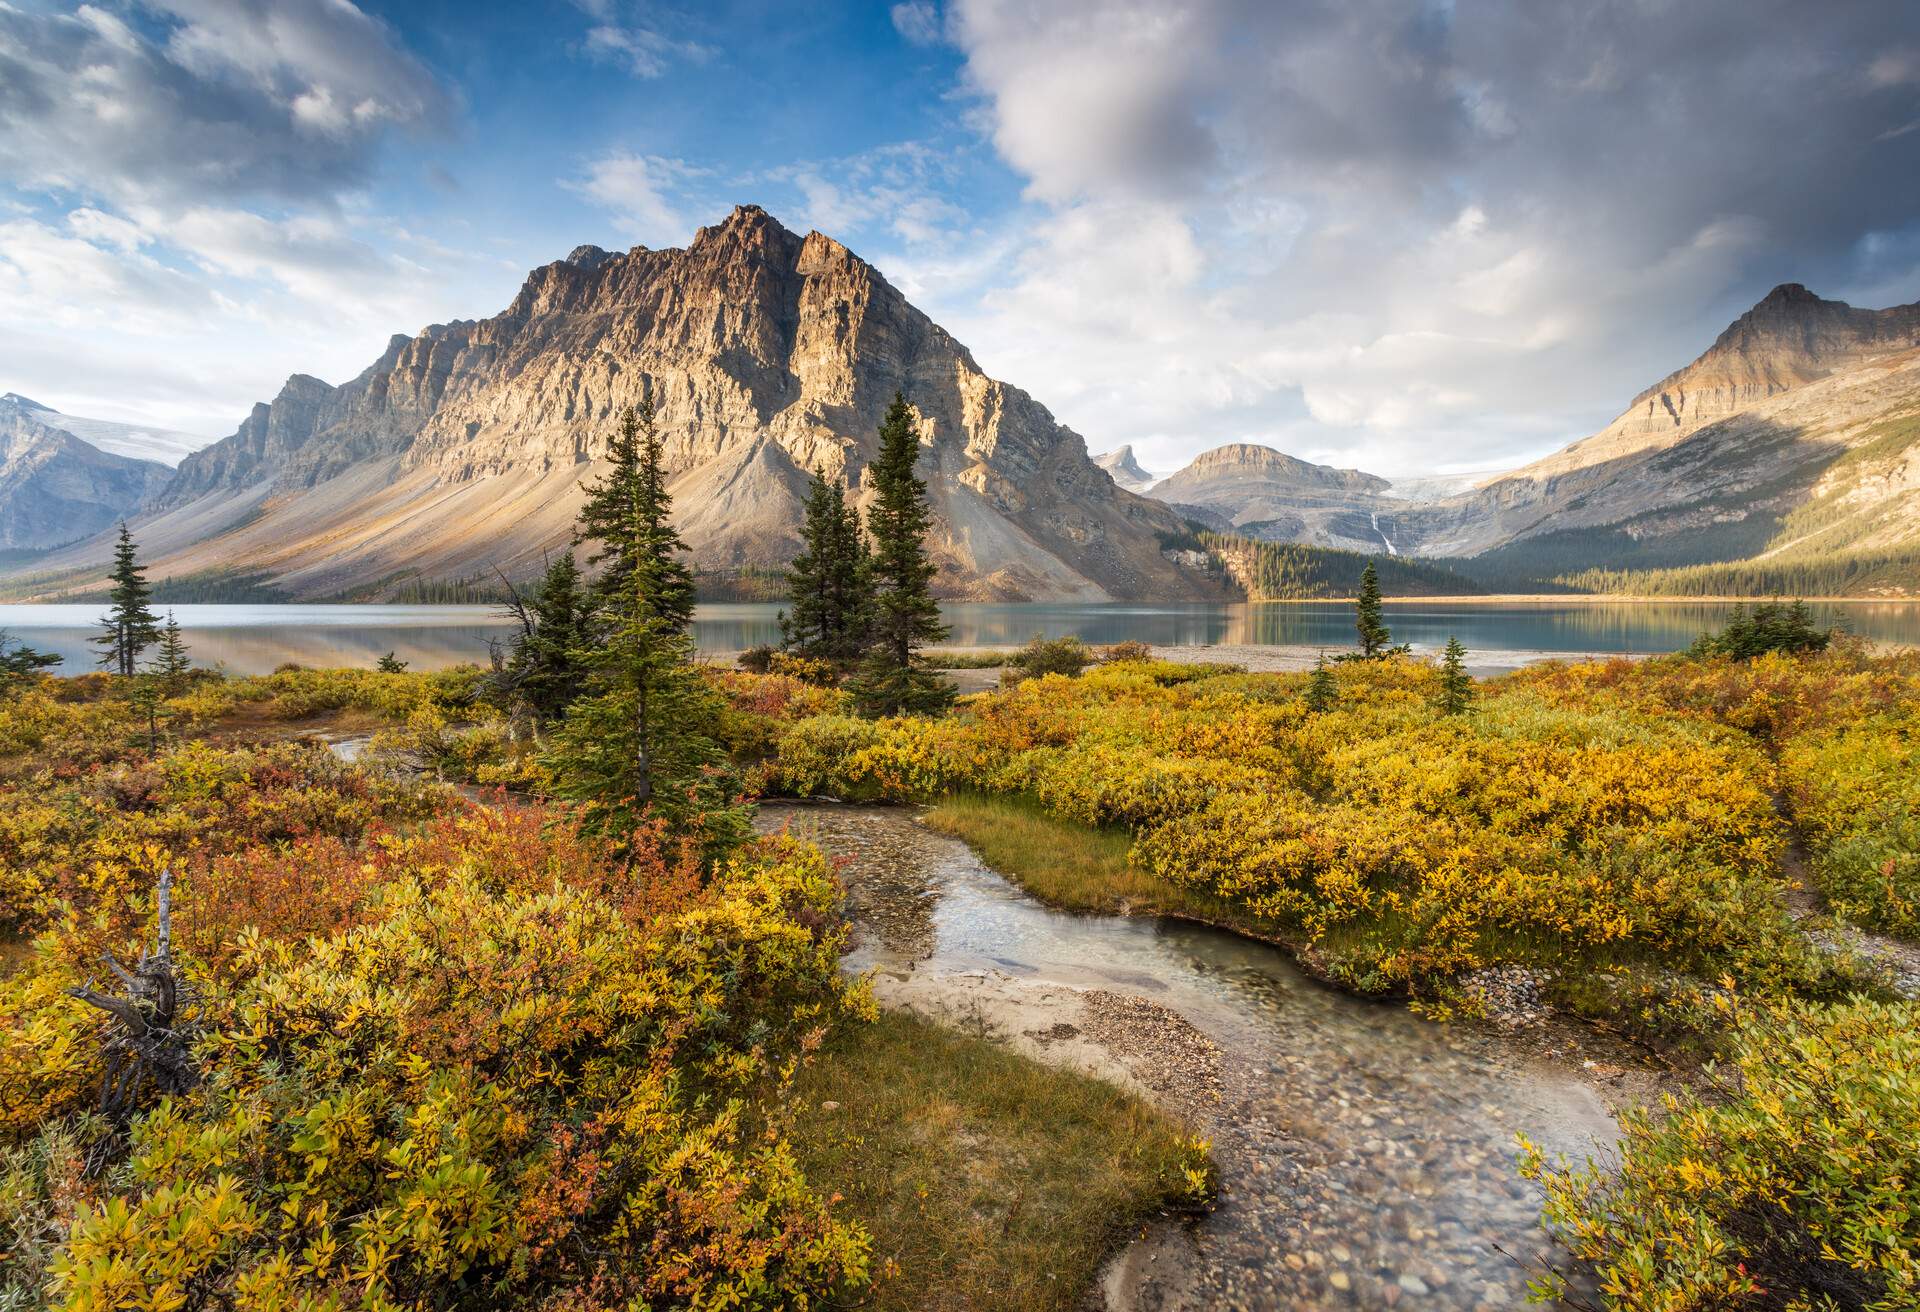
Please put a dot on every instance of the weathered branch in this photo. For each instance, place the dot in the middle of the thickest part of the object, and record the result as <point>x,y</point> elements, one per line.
<point>147,1044</point>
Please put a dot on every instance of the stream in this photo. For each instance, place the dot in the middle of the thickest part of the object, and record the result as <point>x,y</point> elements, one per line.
<point>1366,1156</point>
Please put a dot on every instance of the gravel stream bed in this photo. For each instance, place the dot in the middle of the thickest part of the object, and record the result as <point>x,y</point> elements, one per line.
<point>1366,1156</point>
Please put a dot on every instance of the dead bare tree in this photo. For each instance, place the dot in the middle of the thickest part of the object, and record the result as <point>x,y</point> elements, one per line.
<point>148,1044</point>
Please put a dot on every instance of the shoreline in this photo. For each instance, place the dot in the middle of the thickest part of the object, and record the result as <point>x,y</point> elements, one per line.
<point>1585,599</point>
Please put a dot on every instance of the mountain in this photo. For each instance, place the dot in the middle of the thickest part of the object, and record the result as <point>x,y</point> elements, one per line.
<point>55,488</point>
<point>462,451</point>
<point>1796,433</point>
<point>1124,470</point>
<point>136,441</point>
<point>1791,338</point>
<point>1267,494</point>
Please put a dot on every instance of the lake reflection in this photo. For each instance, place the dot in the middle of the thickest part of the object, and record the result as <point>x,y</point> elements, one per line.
<point>255,639</point>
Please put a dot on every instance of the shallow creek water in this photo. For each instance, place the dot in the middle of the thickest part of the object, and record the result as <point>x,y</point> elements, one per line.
<point>1367,1156</point>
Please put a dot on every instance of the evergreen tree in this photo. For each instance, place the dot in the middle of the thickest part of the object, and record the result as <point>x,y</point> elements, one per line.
<point>129,627</point>
<point>893,679</point>
<point>828,581</point>
<point>629,513</point>
<point>172,664</point>
<point>1374,634</point>
<point>1770,627</point>
<point>1322,692</point>
<point>1456,685</point>
<point>644,739</point>
<point>21,664</point>
<point>390,664</point>
<point>545,672</point>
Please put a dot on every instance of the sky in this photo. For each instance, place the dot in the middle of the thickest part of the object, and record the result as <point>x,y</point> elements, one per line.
<point>1406,237</point>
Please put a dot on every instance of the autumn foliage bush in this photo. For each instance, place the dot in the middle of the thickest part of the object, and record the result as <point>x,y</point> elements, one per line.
<point>496,1095</point>
<point>1400,848</point>
<point>1793,1188</point>
<point>1842,724</point>
<point>92,839</point>
<point>1855,793</point>
<point>449,1055</point>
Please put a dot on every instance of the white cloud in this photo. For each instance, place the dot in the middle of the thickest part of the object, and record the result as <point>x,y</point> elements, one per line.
<point>58,280</point>
<point>282,99</point>
<point>918,21</point>
<point>644,52</point>
<point>641,192</point>
<point>1411,236</point>
<point>106,229</point>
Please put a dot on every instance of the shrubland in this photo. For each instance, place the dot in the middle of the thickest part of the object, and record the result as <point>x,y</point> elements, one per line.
<point>1839,726</point>
<point>1628,852</point>
<point>450,1053</point>
<point>1620,828</point>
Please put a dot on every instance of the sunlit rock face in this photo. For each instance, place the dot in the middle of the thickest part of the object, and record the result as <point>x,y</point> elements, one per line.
<point>1801,401</point>
<point>766,355</point>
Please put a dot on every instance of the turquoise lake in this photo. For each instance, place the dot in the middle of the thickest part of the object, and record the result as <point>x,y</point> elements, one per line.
<point>255,639</point>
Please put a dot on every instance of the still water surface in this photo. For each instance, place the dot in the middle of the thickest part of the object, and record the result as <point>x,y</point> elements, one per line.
<point>255,639</point>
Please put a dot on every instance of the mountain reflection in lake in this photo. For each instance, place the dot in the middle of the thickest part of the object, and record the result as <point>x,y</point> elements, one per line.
<point>255,639</point>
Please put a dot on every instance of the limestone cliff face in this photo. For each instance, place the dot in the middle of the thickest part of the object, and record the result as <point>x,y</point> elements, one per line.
<point>766,354</point>
<point>55,488</point>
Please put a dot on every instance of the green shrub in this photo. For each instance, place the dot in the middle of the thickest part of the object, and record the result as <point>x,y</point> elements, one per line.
<point>1796,1190</point>
<point>1043,655</point>
<point>1769,627</point>
<point>1855,790</point>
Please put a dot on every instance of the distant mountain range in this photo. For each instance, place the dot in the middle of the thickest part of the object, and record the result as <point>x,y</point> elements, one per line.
<point>460,454</point>
<point>1793,440</point>
<point>56,488</point>
<point>135,441</point>
<point>1123,469</point>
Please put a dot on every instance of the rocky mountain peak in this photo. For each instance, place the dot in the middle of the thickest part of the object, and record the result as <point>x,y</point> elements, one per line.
<point>765,354</point>
<point>55,487</point>
<point>1789,294</point>
<point>1124,469</point>
<point>1791,337</point>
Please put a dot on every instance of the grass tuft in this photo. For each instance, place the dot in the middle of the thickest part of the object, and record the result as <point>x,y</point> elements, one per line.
<point>989,1181</point>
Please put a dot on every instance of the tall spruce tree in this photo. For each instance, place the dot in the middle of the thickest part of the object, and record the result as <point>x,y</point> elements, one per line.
<point>828,582</point>
<point>629,513</point>
<point>129,627</point>
<point>1456,685</point>
<point>893,679</point>
<point>643,742</point>
<point>1374,634</point>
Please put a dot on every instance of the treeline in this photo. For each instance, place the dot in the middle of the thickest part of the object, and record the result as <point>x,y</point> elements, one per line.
<point>1293,571</point>
<point>1820,576</point>
<point>208,587</point>
<point>747,583</point>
